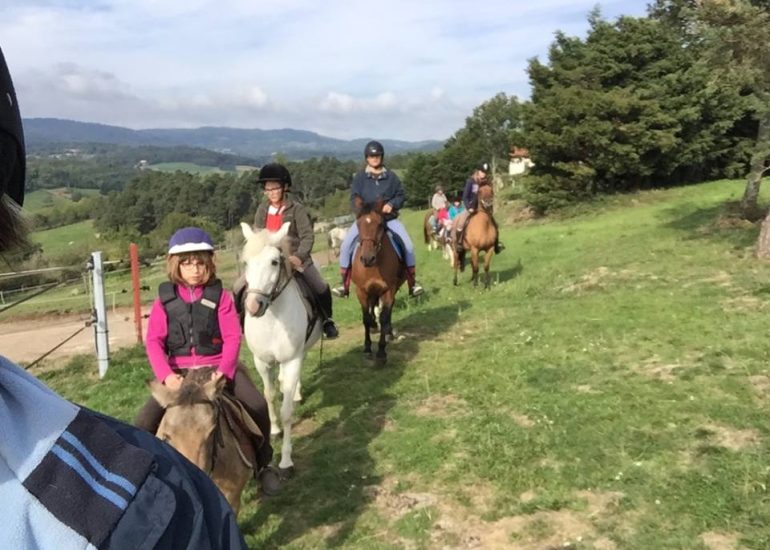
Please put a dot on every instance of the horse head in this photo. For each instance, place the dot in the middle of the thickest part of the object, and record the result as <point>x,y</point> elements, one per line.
<point>486,197</point>
<point>192,415</point>
<point>265,266</point>
<point>371,229</point>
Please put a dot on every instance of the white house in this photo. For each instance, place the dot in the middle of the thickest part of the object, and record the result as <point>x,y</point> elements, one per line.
<point>519,161</point>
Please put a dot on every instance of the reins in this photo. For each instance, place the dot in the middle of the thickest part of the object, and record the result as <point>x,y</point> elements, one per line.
<point>277,288</point>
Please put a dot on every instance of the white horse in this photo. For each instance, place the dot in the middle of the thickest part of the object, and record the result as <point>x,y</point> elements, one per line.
<point>276,326</point>
<point>336,236</point>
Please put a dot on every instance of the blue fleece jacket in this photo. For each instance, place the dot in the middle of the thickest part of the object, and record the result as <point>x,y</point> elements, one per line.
<point>370,187</point>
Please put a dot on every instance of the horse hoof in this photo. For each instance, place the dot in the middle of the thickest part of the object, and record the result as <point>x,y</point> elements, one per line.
<point>286,473</point>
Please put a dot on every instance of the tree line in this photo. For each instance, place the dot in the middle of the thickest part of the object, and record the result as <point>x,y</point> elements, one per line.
<point>678,96</point>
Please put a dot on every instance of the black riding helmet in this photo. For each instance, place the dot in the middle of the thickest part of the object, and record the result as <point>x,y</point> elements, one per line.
<point>275,172</point>
<point>374,149</point>
<point>11,137</point>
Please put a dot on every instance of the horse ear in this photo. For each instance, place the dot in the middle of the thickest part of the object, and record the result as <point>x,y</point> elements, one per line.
<point>378,204</point>
<point>164,395</point>
<point>213,387</point>
<point>278,236</point>
<point>358,203</point>
<point>247,231</point>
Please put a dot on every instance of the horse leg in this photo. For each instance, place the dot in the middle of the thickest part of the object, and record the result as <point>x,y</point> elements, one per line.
<point>475,265</point>
<point>267,383</point>
<point>289,383</point>
<point>368,323</point>
<point>487,262</point>
<point>385,330</point>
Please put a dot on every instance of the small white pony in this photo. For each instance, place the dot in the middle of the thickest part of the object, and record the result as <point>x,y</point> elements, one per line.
<point>336,236</point>
<point>276,326</point>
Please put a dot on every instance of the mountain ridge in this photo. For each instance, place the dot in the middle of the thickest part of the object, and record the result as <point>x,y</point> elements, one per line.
<point>255,142</point>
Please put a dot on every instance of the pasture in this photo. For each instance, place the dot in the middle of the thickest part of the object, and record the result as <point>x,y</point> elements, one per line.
<point>190,167</point>
<point>609,391</point>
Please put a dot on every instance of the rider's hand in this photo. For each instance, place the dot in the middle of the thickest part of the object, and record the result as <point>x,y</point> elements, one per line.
<point>387,209</point>
<point>296,263</point>
<point>173,381</point>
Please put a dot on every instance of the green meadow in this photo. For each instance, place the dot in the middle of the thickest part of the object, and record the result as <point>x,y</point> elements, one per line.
<point>610,391</point>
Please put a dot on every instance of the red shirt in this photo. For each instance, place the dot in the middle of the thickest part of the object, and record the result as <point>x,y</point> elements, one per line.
<point>274,219</point>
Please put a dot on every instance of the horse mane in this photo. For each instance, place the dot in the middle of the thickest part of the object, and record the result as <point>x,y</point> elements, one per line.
<point>254,245</point>
<point>369,209</point>
<point>191,392</point>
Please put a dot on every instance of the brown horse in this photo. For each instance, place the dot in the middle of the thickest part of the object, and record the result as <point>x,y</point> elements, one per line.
<point>479,235</point>
<point>197,424</point>
<point>377,273</point>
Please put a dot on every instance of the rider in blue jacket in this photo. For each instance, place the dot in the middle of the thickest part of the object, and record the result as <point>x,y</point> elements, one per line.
<point>374,183</point>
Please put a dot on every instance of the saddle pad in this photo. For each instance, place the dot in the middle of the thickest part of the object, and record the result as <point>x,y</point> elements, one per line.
<point>249,435</point>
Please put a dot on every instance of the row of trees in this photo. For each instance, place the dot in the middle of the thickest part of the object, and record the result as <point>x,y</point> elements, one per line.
<point>678,96</point>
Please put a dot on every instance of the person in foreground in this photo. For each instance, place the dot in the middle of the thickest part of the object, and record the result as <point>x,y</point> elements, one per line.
<point>193,324</point>
<point>74,478</point>
<point>375,182</point>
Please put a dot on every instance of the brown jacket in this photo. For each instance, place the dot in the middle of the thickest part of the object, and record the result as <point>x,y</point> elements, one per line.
<point>300,235</point>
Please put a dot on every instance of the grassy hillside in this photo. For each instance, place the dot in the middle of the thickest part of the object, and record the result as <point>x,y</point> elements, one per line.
<point>610,391</point>
<point>56,240</point>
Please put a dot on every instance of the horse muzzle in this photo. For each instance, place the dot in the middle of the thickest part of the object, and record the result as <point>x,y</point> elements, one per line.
<point>257,304</point>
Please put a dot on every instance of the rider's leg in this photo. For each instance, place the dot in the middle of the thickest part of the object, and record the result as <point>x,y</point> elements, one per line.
<point>149,416</point>
<point>244,390</point>
<point>459,223</point>
<point>323,297</point>
<point>346,250</point>
<point>499,247</point>
<point>415,289</point>
<point>239,290</point>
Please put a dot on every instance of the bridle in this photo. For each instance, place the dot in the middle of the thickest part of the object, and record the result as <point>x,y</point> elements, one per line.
<point>377,240</point>
<point>283,280</point>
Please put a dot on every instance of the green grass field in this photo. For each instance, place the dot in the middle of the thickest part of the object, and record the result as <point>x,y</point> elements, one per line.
<point>46,198</point>
<point>186,167</point>
<point>609,392</point>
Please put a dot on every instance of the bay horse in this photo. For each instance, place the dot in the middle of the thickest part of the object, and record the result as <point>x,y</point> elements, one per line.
<point>276,327</point>
<point>196,424</point>
<point>378,273</point>
<point>437,240</point>
<point>479,235</point>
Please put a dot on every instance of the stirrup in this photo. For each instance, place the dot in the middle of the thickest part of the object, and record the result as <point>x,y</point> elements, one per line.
<point>340,292</point>
<point>416,290</point>
<point>330,329</point>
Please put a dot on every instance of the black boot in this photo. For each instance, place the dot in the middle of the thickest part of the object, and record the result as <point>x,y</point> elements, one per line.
<point>499,247</point>
<point>325,303</point>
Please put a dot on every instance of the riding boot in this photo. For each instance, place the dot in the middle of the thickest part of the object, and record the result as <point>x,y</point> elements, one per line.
<point>269,481</point>
<point>325,304</point>
<point>239,296</point>
<point>415,289</point>
<point>499,247</point>
<point>343,290</point>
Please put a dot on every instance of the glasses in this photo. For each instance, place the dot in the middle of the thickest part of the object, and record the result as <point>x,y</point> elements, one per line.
<point>192,264</point>
<point>270,189</point>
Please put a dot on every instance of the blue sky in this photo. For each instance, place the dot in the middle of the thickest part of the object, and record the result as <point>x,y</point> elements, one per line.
<point>402,69</point>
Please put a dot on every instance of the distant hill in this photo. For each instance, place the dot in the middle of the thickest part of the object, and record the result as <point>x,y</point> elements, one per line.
<point>254,143</point>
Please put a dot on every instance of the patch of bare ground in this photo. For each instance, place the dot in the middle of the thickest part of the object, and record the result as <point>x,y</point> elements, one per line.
<point>522,420</point>
<point>602,276</point>
<point>657,369</point>
<point>305,426</point>
<point>720,541</point>
<point>720,278</point>
<point>731,438</point>
<point>760,383</point>
<point>739,304</point>
<point>442,405</point>
<point>586,388</point>
<point>461,526</point>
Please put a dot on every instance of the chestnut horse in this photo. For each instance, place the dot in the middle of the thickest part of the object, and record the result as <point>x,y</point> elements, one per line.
<point>479,235</point>
<point>377,273</point>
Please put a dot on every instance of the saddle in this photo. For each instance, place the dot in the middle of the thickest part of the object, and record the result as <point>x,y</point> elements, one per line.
<point>395,240</point>
<point>243,427</point>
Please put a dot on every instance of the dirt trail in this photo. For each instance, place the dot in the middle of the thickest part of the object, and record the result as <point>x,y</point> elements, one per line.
<point>25,341</point>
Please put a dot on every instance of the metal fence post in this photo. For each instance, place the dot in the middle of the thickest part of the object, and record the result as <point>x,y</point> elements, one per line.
<point>100,314</point>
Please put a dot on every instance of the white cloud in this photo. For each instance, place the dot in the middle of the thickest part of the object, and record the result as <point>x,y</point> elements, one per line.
<point>407,69</point>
